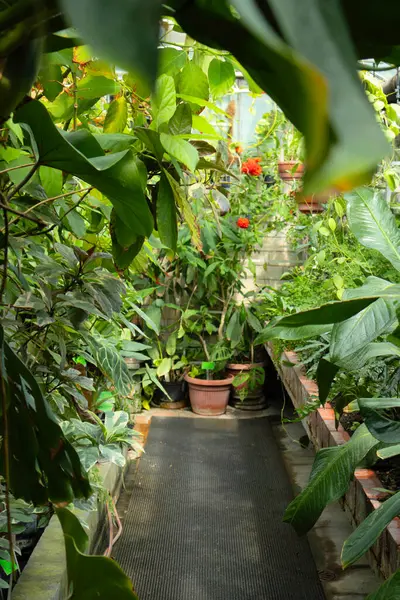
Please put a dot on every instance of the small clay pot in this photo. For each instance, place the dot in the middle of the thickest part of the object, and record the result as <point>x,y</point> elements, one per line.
<point>209,397</point>
<point>287,171</point>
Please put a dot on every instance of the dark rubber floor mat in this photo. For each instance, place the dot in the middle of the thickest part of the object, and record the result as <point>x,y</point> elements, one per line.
<point>204,518</point>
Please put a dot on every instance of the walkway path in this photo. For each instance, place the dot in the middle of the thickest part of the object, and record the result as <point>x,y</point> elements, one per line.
<point>203,513</point>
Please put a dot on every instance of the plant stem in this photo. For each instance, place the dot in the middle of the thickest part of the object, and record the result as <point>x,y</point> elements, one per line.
<point>75,117</point>
<point>15,168</point>
<point>5,260</point>
<point>203,343</point>
<point>20,214</point>
<point>25,180</point>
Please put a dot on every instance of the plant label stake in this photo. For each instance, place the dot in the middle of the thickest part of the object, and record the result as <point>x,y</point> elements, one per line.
<point>208,367</point>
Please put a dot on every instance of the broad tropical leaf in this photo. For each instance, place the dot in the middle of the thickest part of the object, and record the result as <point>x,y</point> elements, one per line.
<point>382,427</point>
<point>373,223</point>
<point>221,76</point>
<point>180,149</point>
<point>329,479</point>
<point>374,287</point>
<point>163,100</point>
<point>370,529</point>
<point>353,334</point>
<point>116,117</point>
<point>326,373</point>
<point>166,214</point>
<point>126,31</point>
<point>90,577</point>
<point>390,590</point>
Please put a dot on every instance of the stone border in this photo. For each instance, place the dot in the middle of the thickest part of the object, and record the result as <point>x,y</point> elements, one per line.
<point>362,496</point>
<point>44,577</point>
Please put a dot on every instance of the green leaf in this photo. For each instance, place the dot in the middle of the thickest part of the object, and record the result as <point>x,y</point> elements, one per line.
<point>358,359</point>
<point>382,427</point>
<point>329,479</point>
<point>326,373</point>
<point>166,214</point>
<point>192,81</point>
<point>51,79</point>
<point>369,530</point>
<point>181,150</point>
<point>181,122</point>
<point>343,146</point>
<point>221,76</point>
<point>374,287</point>
<point>171,60</point>
<point>149,322</point>
<point>234,329</point>
<point>302,332</point>
<point>163,100</point>
<point>354,333</point>
<point>253,321</point>
<point>127,33</point>
<point>121,177</point>
<point>186,211</point>
<point>390,590</point>
<point>116,117</point>
<point>373,223</point>
<point>389,451</point>
<point>164,367</point>
<point>111,365</point>
<point>95,87</point>
<point>51,180</point>
<point>90,577</point>
<point>171,344</point>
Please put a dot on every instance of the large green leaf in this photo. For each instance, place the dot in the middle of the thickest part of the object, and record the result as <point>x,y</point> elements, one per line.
<point>374,287</point>
<point>120,176</point>
<point>166,214</point>
<point>373,223</point>
<point>343,146</point>
<point>313,322</point>
<point>326,373</point>
<point>95,87</point>
<point>111,365</point>
<point>90,577</point>
<point>192,81</point>
<point>369,530</point>
<point>116,117</point>
<point>164,100</point>
<point>353,334</point>
<point>357,360</point>
<point>171,60</point>
<point>390,590</point>
<point>221,76</point>
<point>125,31</point>
<point>51,469</point>
<point>283,332</point>
<point>382,427</point>
<point>181,122</point>
<point>180,149</point>
<point>329,479</point>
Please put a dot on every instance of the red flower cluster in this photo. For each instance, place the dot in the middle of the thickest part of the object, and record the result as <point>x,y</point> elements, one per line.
<point>243,222</point>
<point>252,167</point>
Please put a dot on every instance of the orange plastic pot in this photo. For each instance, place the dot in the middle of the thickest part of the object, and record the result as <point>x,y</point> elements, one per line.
<point>209,397</point>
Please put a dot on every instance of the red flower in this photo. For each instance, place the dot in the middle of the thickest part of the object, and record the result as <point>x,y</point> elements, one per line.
<point>239,149</point>
<point>252,167</point>
<point>243,222</point>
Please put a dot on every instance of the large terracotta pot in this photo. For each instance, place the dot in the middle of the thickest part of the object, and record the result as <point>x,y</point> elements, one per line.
<point>209,397</point>
<point>255,399</point>
<point>287,171</point>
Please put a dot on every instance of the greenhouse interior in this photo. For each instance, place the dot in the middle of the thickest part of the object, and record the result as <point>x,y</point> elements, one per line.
<point>199,300</point>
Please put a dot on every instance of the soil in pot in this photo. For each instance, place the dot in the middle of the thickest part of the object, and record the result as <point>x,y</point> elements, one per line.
<point>209,397</point>
<point>388,472</point>
<point>177,395</point>
<point>254,397</point>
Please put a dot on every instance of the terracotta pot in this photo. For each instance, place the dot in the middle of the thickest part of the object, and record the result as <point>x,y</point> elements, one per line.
<point>209,397</point>
<point>286,170</point>
<point>312,204</point>
<point>255,399</point>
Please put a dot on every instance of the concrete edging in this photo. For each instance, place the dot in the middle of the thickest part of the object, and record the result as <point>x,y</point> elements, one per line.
<point>44,577</point>
<point>362,496</point>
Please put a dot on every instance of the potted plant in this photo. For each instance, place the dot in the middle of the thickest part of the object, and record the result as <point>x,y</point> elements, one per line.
<point>169,369</point>
<point>290,166</point>
<point>312,204</point>
<point>209,385</point>
<point>248,368</point>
